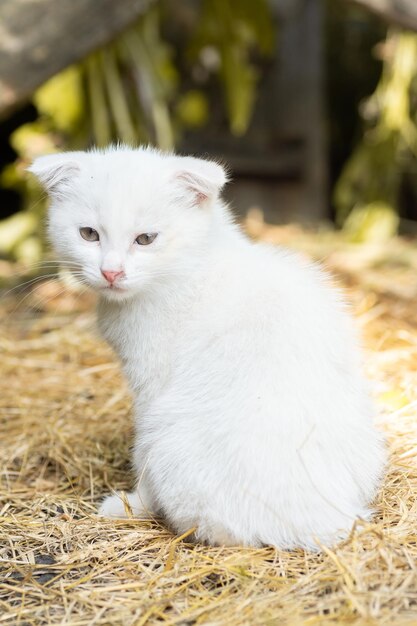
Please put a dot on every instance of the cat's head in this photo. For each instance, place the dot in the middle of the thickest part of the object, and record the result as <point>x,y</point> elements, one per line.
<point>124,220</point>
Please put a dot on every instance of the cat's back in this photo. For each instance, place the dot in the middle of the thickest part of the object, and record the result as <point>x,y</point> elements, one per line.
<point>266,384</point>
<point>277,292</point>
<point>269,320</point>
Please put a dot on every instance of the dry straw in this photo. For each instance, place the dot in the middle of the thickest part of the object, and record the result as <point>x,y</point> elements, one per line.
<point>65,437</point>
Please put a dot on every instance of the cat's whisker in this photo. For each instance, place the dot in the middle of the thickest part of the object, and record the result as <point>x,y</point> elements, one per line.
<point>45,300</point>
<point>28,283</point>
<point>49,260</point>
<point>44,261</point>
<point>20,302</point>
<point>47,265</point>
<point>42,197</point>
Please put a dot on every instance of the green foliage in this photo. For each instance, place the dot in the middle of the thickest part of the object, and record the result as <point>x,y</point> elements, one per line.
<point>61,99</point>
<point>374,222</point>
<point>370,185</point>
<point>131,86</point>
<point>133,91</point>
<point>134,87</point>
<point>233,29</point>
<point>60,103</point>
<point>192,109</point>
<point>18,236</point>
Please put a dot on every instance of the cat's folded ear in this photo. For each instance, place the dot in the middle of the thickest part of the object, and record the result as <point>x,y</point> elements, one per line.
<point>55,171</point>
<point>203,179</point>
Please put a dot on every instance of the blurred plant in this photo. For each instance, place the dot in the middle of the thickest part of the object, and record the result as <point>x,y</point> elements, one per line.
<point>133,91</point>
<point>131,87</point>
<point>367,194</point>
<point>60,104</point>
<point>227,34</point>
<point>134,86</point>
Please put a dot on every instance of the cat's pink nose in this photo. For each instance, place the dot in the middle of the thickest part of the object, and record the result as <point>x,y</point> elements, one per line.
<point>111,276</point>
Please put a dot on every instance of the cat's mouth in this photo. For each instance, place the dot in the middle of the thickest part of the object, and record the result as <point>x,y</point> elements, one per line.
<point>114,289</point>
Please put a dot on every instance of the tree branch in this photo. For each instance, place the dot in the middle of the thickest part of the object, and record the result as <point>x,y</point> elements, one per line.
<point>38,38</point>
<point>400,12</point>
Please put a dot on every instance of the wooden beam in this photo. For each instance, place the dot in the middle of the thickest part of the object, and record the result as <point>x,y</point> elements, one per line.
<point>399,12</point>
<point>38,38</point>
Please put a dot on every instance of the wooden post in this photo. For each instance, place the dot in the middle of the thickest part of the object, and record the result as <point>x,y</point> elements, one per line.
<point>280,165</point>
<point>398,12</point>
<point>38,38</point>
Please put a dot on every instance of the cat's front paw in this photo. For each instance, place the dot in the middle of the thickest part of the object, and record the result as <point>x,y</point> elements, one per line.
<point>113,506</point>
<point>124,505</point>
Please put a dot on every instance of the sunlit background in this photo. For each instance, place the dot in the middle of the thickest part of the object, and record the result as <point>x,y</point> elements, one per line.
<point>312,104</point>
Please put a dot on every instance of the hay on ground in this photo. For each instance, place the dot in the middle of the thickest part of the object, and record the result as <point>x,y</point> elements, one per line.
<point>64,442</point>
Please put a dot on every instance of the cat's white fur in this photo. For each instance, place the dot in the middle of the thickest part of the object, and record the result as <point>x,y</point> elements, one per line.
<point>253,422</point>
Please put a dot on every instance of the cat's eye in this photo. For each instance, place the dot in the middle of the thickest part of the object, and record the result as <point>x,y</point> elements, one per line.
<point>145,238</point>
<point>89,234</point>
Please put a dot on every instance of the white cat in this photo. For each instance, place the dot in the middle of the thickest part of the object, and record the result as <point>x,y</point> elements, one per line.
<point>253,422</point>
